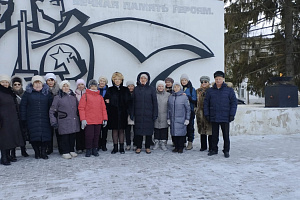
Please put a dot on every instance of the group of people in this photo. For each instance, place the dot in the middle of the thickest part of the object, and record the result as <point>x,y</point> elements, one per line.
<point>80,119</point>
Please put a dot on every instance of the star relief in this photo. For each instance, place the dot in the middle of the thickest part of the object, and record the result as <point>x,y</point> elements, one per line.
<point>61,57</point>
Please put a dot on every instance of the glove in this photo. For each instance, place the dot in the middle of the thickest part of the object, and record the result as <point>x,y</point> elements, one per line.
<point>104,123</point>
<point>169,122</point>
<point>83,124</point>
<point>207,117</point>
<point>231,118</point>
<point>186,122</point>
<point>55,126</point>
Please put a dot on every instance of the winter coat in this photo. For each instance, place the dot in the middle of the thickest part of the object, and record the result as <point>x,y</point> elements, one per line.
<point>190,92</point>
<point>92,108</point>
<point>64,113</point>
<point>103,91</point>
<point>117,108</point>
<point>204,127</point>
<point>19,95</point>
<point>54,90</point>
<point>220,104</point>
<point>162,101</point>
<point>179,110</point>
<point>79,94</point>
<point>145,109</point>
<point>10,130</point>
<point>130,109</point>
<point>34,109</point>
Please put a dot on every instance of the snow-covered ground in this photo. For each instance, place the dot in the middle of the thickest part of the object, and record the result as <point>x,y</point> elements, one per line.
<point>259,167</point>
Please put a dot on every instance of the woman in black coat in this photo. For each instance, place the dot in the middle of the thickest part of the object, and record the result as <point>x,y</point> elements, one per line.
<point>117,98</point>
<point>145,111</point>
<point>34,109</point>
<point>10,130</point>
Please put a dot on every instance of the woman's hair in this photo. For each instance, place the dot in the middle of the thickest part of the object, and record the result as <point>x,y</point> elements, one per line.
<point>117,75</point>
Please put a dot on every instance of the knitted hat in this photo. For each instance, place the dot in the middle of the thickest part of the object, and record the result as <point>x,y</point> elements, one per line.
<point>50,75</point>
<point>103,77</point>
<point>160,82</point>
<point>92,82</point>
<point>184,76</point>
<point>129,83</point>
<point>37,78</point>
<point>176,83</point>
<point>16,79</point>
<point>4,77</point>
<point>219,73</point>
<point>144,75</point>
<point>204,78</point>
<point>79,81</point>
<point>169,79</point>
<point>64,82</point>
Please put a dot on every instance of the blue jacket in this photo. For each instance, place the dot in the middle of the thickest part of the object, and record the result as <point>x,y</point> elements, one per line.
<point>34,109</point>
<point>191,94</point>
<point>220,104</point>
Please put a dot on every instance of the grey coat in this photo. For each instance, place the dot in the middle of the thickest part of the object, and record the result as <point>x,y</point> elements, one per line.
<point>63,113</point>
<point>179,110</point>
<point>162,102</point>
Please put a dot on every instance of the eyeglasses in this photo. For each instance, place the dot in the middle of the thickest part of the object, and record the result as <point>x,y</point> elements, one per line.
<point>17,84</point>
<point>203,82</point>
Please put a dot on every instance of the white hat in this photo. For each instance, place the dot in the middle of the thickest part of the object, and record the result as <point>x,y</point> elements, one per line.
<point>37,78</point>
<point>79,81</point>
<point>160,82</point>
<point>184,76</point>
<point>144,75</point>
<point>64,82</point>
<point>4,77</point>
<point>50,75</point>
<point>129,83</point>
<point>176,83</point>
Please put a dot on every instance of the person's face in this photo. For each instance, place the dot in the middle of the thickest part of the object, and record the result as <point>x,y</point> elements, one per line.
<point>102,83</point>
<point>160,88</point>
<point>66,88</point>
<point>204,83</point>
<point>184,81</point>
<point>117,81</point>
<point>93,87</point>
<point>5,84</point>
<point>168,84</point>
<point>219,81</point>
<point>176,88</point>
<point>131,88</point>
<point>80,86</point>
<point>50,82</point>
<point>143,80</point>
<point>17,86</point>
<point>52,9</point>
<point>3,7</point>
<point>37,85</point>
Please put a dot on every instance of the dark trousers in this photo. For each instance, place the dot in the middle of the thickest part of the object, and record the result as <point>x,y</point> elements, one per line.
<point>103,136</point>
<point>128,135</point>
<point>67,143</point>
<point>203,141</point>
<point>215,136</point>
<point>80,140</point>
<point>50,144</point>
<point>161,133</point>
<point>92,133</point>
<point>178,141</point>
<point>139,141</point>
<point>190,128</point>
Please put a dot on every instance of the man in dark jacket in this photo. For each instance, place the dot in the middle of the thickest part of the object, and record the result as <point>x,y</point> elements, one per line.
<point>220,106</point>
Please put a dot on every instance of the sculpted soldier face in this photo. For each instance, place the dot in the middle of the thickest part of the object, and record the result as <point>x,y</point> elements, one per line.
<point>51,9</point>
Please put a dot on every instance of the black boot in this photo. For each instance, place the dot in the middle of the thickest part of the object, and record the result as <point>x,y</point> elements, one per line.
<point>36,149</point>
<point>23,151</point>
<point>43,152</point>
<point>122,148</point>
<point>95,152</point>
<point>115,150</point>
<point>88,152</point>
<point>103,146</point>
<point>4,160</point>
<point>13,157</point>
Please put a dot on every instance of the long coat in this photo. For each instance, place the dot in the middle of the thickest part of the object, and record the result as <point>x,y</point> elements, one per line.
<point>64,112</point>
<point>145,109</point>
<point>117,108</point>
<point>10,130</point>
<point>220,104</point>
<point>204,127</point>
<point>179,110</point>
<point>162,101</point>
<point>34,109</point>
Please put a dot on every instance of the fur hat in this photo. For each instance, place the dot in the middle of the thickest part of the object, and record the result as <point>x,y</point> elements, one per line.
<point>50,75</point>
<point>4,77</point>
<point>169,79</point>
<point>79,81</point>
<point>103,77</point>
<point>37,78</point>
<point>184,76</point>
<point>219,73</point>
<point>176,83</point>
<point>129,83</point>
<point>160,82</point>
<point>92,82</point>
<point>16,79</point>
<point>64,82</point>
<point>204,78</point>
